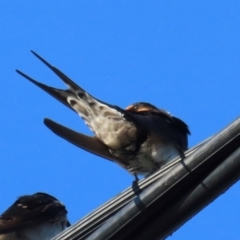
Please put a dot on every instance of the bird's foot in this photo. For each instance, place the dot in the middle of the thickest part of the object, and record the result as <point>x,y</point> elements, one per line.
<point>135,185</point>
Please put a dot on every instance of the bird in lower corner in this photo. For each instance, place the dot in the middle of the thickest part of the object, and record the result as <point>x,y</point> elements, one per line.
<point>140,138</point>
<point>33,217</point>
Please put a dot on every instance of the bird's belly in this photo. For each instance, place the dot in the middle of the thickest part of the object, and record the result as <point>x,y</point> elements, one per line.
<point>163,153</point>
<point>43,232</point>
<point>152,156</point>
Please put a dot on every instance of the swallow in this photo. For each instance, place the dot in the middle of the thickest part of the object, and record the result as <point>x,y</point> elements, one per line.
<point>140,138</point>
<point>33,217</point>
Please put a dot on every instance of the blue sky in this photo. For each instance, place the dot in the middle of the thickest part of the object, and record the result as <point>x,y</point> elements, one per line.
<point>182,56</point>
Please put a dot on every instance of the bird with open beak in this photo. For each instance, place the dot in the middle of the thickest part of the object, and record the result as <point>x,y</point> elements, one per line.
<point>33,217</point>
<point>140,138</point>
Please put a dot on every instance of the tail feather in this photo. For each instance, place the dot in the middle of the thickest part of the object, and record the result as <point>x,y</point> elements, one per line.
<point>72,85</point>
<point>105,120</point>
<point>59,94</point>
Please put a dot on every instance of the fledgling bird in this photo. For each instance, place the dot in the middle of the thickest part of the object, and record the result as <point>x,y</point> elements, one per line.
<point>33,217</point>
<point>140,138</point>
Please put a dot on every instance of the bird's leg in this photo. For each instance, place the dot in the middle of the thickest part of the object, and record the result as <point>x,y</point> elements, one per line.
<point>135,182</point>
<point>136,177</point>
<point>182,155</point>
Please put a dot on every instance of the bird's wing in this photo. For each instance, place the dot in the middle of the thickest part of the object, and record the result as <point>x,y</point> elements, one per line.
<point>169,128</point>
<point>31,210</point>
<point>88,143</point>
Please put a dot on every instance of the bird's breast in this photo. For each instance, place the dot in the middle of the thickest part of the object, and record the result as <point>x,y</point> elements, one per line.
<point>161,150</point>
<point>42,232</point>
<point>152,155</point>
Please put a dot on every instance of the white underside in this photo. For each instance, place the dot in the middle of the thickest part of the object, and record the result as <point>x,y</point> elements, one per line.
<point>43,232</point>
<point>154,154</point>
<point>164,154</point>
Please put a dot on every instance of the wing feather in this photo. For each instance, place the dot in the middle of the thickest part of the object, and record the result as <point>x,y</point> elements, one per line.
<point>32,210</point>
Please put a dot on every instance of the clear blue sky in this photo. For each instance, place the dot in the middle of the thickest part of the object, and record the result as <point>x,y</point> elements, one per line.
<point>183,56</point>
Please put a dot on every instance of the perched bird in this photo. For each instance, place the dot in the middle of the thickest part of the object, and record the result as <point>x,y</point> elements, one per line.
<point>33,217</point>
<point>140,138</point>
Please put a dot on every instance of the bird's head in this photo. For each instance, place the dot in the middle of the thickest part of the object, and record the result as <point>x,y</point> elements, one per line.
<point>141,107</point>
